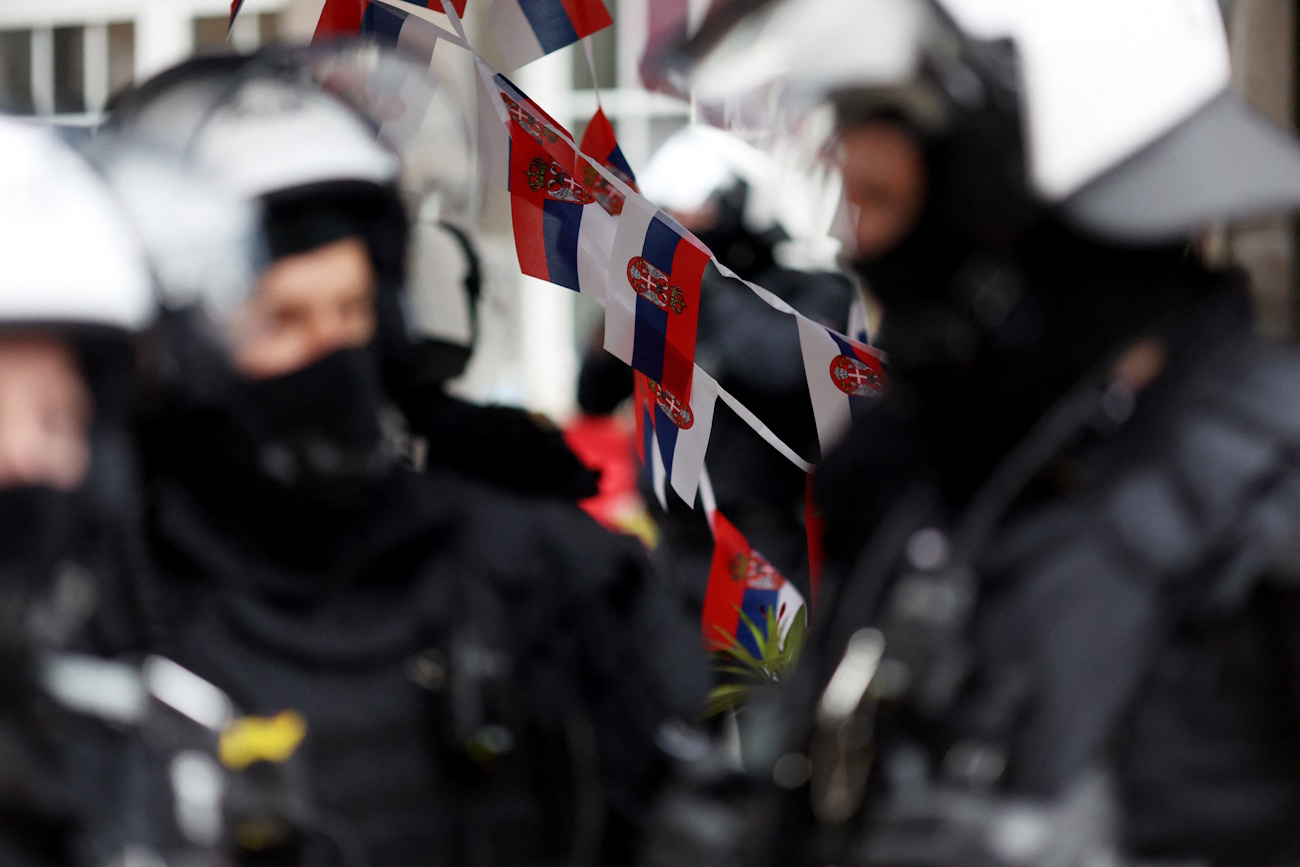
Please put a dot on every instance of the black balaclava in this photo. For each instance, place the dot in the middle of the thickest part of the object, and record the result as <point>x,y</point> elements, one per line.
<point>40,528</point>
<point>47,532</point>
<point>994,309</point>
<point>288,461</point>
<point>308,218</point>
<point>284,463</point>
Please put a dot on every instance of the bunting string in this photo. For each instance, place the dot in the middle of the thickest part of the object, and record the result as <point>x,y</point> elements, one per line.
<point>582,223</point>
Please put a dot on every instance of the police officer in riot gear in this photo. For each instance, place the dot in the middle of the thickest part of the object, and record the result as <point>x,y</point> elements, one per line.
<point>99,754</point>
<point>482,678</point>
<point>502,445</point>
<point>1062,633</point>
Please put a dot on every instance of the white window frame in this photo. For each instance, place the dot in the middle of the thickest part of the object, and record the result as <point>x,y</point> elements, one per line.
<point>164,35</point>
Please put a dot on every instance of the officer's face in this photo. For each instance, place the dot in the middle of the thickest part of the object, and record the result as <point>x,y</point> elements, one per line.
<point>885,178</point>
<point>306,307</point>
<point>45,414</point>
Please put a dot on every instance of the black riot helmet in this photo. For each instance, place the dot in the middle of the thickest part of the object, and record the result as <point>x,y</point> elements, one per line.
<point>281,130</point>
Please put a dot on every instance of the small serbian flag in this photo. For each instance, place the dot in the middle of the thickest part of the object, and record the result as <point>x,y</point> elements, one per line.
<point>561,234</point>
<point>652,300</point>
<point>526,30</point>
<point>742,580</point>
<point>341,18</point>
<point>409,34</point>
<point>395,96</point>
<point>842,373</point>
<point>672,436</point>
<point>504,109</point>
<point>599,143</point>
<point>647,450</point>
<point>682,431</point>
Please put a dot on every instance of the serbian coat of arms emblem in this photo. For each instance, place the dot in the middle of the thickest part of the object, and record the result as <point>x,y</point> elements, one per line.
<point>752,569</point>
<point>530,124</point>
<point>559,184</point>
<point>678,412</point>
<point>855,377</point>
<point>652,285</point>
<point>610,199</point>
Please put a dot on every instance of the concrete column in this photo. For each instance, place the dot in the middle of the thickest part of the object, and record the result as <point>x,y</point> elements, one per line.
<point>95,66</point>
<point>164,36</point>
<point>43,70</point>
<point>246,34</point>
<point>1262,34</point>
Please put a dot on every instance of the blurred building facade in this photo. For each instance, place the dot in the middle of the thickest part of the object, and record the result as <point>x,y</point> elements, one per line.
<point>1265,54</point>
<point>65,59</point>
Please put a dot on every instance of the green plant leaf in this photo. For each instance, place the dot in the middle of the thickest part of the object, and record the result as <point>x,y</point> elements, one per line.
<point>774,662</point>
<point>725,697</point>
<point>795,637</point>
<point>759,638</point>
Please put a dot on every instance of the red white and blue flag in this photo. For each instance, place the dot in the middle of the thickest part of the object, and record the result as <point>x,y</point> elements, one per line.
<point>526,30</point>
<point>841,374</point>
<point>599,143</point>
<point>647,450</point>
<point>385,22</point>
<point>503,111</point>
<point>672,436</point>
<point>652,301</point>
<point>562,234</point>
<point>342,18</point>
<point>742,580</point>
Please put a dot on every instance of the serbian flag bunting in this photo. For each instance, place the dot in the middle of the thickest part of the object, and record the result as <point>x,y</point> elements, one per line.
<point>652,301</point>
<point>682,431</point>
<point>841,374</point>
<point>526,30</point>
<point>599,143</point>
<point>672,437</point>
<point>341,18</point>
<point>647,450</point>
<point>409,34</point>
<point>385,22</point>
<point>742,580</point>
<point>522,112</point>
<point>561,234</point>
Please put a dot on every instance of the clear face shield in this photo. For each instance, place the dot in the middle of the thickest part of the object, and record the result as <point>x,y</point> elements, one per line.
<point>415,111</point>
<point>75,290</point>
<point>329,142</point>
<point>204,243</point>
<point>770,73</point>
<point>1148,147</point>
<point>419,114</point>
